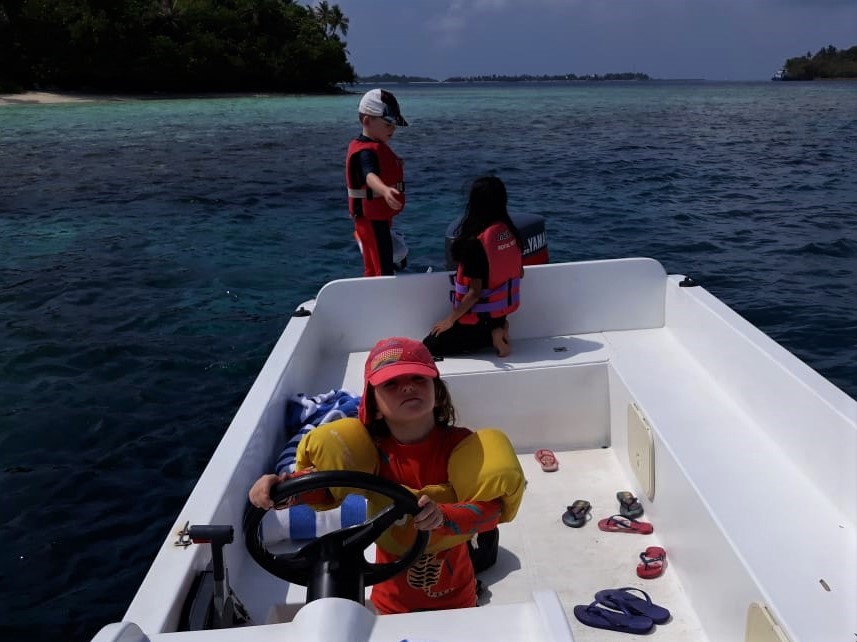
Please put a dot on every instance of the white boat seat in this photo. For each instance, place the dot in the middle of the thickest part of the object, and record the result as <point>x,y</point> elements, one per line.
<point>550,352</point>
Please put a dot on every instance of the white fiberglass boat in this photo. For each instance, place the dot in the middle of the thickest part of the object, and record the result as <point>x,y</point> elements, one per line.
<point>745,461</point>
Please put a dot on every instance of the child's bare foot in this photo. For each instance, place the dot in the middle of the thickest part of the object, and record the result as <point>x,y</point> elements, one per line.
<point>501,343</point>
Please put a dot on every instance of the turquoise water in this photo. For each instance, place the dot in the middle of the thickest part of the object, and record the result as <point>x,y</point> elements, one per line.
<point>151,252</point>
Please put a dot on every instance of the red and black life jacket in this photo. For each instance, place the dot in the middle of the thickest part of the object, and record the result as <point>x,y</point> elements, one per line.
<point>391,167</point>
<point>501,295</point>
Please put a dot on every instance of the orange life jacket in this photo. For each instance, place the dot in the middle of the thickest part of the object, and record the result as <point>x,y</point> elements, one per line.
<point>392,173</point>
<point>501,295</point>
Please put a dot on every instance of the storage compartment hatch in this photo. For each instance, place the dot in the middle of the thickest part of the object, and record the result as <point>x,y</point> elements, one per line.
<point>761,626</point>
<point>641,450</point>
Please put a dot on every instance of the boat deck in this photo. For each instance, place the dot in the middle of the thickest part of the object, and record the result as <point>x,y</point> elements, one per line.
<point>538,551</point>
<point>637,383</point>
<point>578,390</point>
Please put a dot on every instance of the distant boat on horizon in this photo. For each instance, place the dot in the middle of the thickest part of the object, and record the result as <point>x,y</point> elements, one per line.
<point>780,75</point>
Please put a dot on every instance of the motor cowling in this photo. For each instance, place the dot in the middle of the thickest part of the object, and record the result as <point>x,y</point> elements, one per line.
<point>532,229</point>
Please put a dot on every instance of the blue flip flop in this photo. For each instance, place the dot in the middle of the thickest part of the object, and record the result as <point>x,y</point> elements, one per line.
<point>597,616</point>
<point>623,599</point>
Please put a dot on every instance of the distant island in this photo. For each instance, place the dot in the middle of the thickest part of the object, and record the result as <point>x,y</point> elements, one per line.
<point>827,63</point>
<point>393,78</point>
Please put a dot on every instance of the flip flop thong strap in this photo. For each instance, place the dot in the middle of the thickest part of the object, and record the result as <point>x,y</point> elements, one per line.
<point>658,562</point>
<point>623,521</point>
<point>597,608</point>
<point>651,560</point>
<point>628,499</point>
<point>579,508</point>
<point>628,589</point>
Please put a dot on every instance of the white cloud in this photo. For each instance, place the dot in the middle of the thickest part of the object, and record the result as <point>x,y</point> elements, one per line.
<point>459,15</point>
<point>449,25</point>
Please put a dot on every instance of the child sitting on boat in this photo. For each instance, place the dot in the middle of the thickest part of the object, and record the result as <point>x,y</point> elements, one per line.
<point>487,248</point>
<point>466,482</point>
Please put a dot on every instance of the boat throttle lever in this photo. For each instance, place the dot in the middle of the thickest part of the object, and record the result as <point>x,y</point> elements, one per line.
<point>227,610</point>
<point>218,537</point>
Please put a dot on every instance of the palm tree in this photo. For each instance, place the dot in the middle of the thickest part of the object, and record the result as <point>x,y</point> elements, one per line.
<point>338,21</point>
<point>322,14</point>
<point>331,19</point>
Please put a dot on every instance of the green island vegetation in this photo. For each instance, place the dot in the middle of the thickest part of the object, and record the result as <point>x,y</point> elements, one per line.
<point>393,78</point>
<point>528,78</point>
<point>827,63</point>
<point>177,46</point>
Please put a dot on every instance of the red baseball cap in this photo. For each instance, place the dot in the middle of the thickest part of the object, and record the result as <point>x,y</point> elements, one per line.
<point>392,357</point>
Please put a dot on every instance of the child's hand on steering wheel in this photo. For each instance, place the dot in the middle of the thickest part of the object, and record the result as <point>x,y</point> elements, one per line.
<point>430,517</point>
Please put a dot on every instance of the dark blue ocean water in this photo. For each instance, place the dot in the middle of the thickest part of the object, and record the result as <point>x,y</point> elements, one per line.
<point>151,252</point>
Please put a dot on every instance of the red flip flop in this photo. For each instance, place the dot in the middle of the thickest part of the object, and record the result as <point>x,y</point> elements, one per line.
<point>547,460</point>
<point>622,524</point>
<point>654,561</point>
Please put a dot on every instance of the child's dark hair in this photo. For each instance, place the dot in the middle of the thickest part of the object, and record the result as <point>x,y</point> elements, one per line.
<point>485,206</point>
<point>444,412</point>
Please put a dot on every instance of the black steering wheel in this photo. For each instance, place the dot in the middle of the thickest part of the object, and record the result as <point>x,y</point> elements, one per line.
<point>334,565</point>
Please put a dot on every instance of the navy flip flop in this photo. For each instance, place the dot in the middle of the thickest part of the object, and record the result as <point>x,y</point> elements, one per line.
<point>577,513</point>
<point>623,599</point>
<point>598,617</point>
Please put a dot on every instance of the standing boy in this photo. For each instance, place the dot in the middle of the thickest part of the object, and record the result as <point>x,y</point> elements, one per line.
<point>375,179</point>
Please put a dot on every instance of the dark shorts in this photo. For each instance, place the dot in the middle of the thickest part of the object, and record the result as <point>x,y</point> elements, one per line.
<point>463,338</point>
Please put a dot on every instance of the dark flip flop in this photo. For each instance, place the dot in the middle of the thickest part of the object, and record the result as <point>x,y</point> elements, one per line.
<point>629,506</point>
<point>576,514</point>
<point>623,599</point>
<point>597,616</point>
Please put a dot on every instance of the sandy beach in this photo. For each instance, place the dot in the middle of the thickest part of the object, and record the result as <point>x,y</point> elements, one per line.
<point>48,98</point>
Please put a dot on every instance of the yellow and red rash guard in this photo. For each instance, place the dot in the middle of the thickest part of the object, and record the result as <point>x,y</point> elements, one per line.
<point>444,579</point>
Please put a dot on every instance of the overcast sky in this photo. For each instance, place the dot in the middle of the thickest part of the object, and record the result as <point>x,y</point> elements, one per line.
<point>712,39</point>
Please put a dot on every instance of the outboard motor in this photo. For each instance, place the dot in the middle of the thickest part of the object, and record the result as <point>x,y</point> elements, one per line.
<point>532,229</point>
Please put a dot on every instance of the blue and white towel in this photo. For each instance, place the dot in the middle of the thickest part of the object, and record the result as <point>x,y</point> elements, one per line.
<point>302,522</point>
<point>304,413</point>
